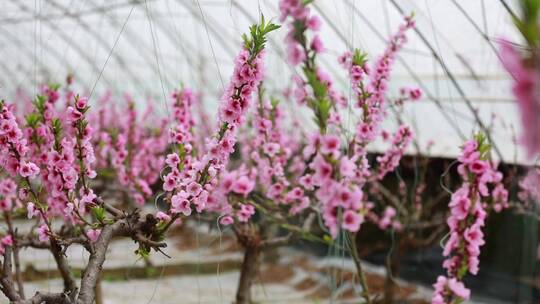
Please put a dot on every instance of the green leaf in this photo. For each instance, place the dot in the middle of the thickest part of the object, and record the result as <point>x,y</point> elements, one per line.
<point>324,108</point>
<point>39,103</point>
<point>99,213</point>
<point>256,42</point>
<point>32,120</point>
<point>328,239</point>
<point>527,25</point>
<point>274,102</point>
<point>462,271</point>
<point>142,252</point>
<point>56,124</point>
<point>484,146</point>
<point>359,57</point>
<point>319,88</point>
<point>54,86</point>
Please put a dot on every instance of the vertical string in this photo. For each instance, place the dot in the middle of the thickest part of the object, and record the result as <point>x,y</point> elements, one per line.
<point>211,45</point>
<point>111,51</point>
<point>149,16</point>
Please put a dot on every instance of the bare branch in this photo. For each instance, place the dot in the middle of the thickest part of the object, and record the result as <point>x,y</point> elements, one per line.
<point>95,263</point>
<point>33,243</point>
<point>16,259</point>
<point>435,222</point>
<point>6,277</point>
<point>130,226</point>
<point>309,221</point>
<point>55,246</point>
<point>392,198</point>
<point>63,267</point>
<point>126,225</point>
<point>277,241</point>
<point>53,298</point>
<point>140,238</point>
<point>110,208</point>
<point>284,240</point>
<point>81,240</point>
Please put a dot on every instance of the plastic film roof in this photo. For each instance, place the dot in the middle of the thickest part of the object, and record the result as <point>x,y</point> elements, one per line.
<point>149,47</point>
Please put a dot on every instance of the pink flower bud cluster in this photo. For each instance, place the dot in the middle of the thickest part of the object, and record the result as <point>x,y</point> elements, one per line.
<point>84,149</point>
<point>133,145</point>
<point>300,13</point>
<point>305,49</point>
<point>181,134</point>
<point>269,148</point>
<point>8,194</point>
<point>413,94</point>
<point>357,71</point>
<point>66,155</point>
<point>380,73</point>
<point>136,152</point>
<point>236,99</point>
<point>336,179</point>
<point>230,199</point>
<point>52,96</point>
<point>43,233</point>
<point>371,96</point>
<point>389,219</point>
<point>5,241</point>
<point>182,181</point>
<point>60,177</point>
<point>449,286</point>
<point>482,189</point>
<point>191,179</point>
<point>342,199</point>
<point>389,161</point>
<point>13,146</point>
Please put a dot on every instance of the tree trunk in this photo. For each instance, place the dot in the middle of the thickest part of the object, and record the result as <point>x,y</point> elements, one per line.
<point>16,259</point>
<point>250,267</point>
<point>18,271</point>
<point>63,267</point>
<point>99,292</point>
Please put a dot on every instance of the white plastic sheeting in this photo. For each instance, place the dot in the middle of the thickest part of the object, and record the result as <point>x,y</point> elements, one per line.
<point>150,47</point>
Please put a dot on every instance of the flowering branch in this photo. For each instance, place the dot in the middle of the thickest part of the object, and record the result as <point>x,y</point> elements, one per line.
<point>192,178</point>
<point>481,190</point>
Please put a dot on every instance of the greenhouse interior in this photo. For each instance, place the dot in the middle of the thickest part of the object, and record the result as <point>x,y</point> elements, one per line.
<point>269,151</point>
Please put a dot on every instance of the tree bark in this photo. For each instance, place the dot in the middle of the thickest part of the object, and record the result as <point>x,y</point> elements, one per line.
<point>6,277</point>
<point>16,259</point>
<point>130,226</point>
<point>99,292</point>
<point>46,298</point>
<point>95,263</point>
<point>63,267</point>
<point>250,267</point>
